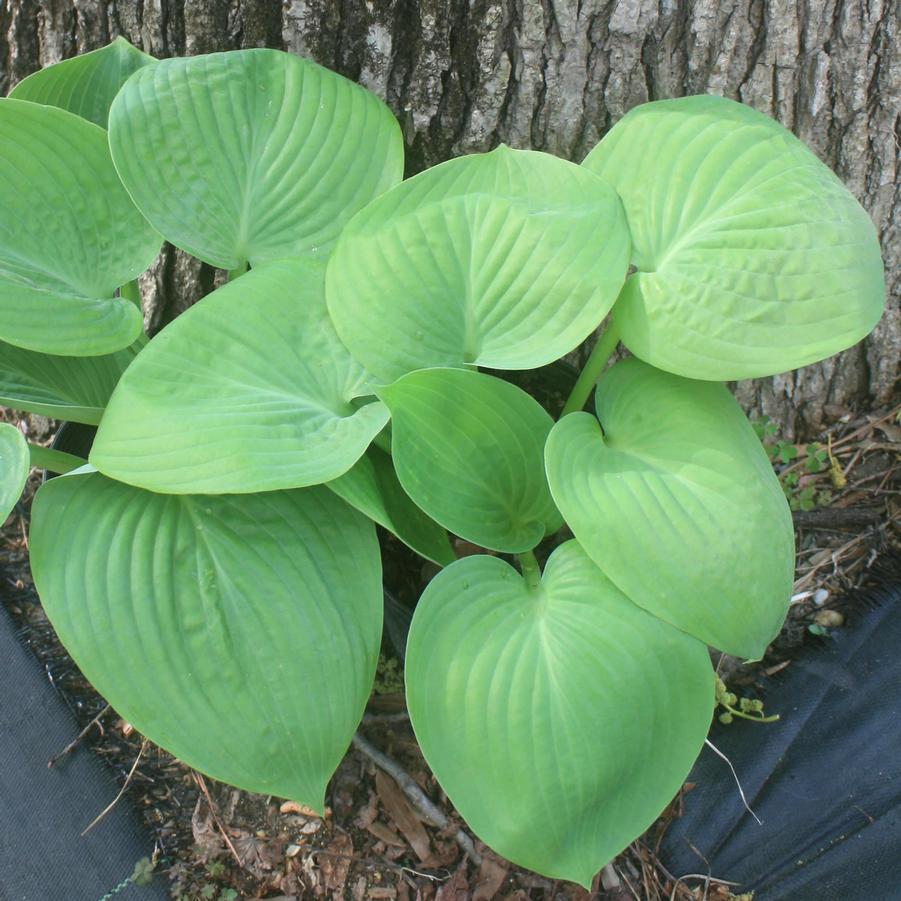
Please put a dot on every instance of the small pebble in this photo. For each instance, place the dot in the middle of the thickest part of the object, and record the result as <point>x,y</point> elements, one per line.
<point>829,619</point>
<point>820,597</point>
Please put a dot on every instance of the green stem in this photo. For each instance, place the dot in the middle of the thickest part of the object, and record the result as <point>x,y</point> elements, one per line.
<point>54,460</point>
<point>531,571</point>
<point>131,291</point>
<point>240,269</point>
<point>592,370</point>
<point>750,716</point>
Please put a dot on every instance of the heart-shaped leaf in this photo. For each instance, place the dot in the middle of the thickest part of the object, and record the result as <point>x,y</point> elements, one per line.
<point>69,236</point>
<point>468,450</point>
<point>560,719</point>
<point>507,259</point>
<point>372,487</point>
<point>14,466</point>
<point>676,501</point>
<point>251,155</point>
<point>72,388</point>
<point>84,85</point>
<point>752,257</point>
<point>241,634</point>
<point>249,390</point>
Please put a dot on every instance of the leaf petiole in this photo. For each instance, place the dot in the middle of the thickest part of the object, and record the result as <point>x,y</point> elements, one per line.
<point>131,291</point>
<point>54,460</point>
<point>592,370</point>
<point>531,571</point>
<point>239,270</point>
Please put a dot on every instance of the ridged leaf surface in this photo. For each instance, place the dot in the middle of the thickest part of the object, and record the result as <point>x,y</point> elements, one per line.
<point>251,155</point>
<point>69,236</point>
<point>249,390</point>
<point>14,466</point>
<point>468,450</point>
<point>752,256</point>
<point>371,485</point>
<point>241,634</point>
<point>84,85</point>
<point>559,719</point>
<point>507,259</point>
<point>677,502</point>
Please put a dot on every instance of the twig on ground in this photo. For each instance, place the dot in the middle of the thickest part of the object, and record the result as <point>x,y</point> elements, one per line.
<point>201,784</point>
<point>838,517</point>
<point>78,738</point>
<point>706,880</point>
<point>122,791</point>
<point>375,862</point>
<point>741,791</point>
<point>833,558</point>
<point>421,802</point>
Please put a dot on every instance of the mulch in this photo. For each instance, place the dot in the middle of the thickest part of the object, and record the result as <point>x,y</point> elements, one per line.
<point>215,842</point>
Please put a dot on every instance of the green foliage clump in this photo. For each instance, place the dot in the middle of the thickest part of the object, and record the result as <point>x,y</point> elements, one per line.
<point>389,676</point>
<point>214,567</point>
<point>802,491</point>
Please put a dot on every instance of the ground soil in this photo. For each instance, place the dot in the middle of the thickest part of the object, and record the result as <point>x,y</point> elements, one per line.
<point>215,842</point>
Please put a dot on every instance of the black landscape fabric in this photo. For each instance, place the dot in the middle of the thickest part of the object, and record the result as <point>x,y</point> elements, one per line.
<point>825,780</point>
<point>43,811</point>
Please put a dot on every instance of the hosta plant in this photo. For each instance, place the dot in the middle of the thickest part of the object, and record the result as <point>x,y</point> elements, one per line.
<point>214,568</point>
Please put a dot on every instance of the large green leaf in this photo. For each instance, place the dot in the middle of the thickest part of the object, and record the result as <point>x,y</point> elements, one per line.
<point>86,84</point>
<point>371,485</point>
<point>507,260</point>
<point>560,719</point>
<point>14,466</point>
<point>251,155</point>
<point>752,257</point>
<point>69,236</point>
<point>249,390</point>
<point>241,634</point>
<point>71,388</point>
<point>676,501</point>
<point>468,450</point>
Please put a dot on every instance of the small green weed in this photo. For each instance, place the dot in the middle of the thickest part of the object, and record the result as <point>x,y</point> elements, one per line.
<point>389,676</point>
<point>801,489</point>
<point>747,709</point>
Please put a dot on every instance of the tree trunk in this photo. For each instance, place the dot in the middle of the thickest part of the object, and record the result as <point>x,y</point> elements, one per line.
<point>554,75</point>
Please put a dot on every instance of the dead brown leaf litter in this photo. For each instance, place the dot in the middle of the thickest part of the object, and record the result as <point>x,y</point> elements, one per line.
<point>216,842</point>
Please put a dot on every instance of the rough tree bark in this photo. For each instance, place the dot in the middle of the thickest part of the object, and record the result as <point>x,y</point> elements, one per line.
<point>464,75</point>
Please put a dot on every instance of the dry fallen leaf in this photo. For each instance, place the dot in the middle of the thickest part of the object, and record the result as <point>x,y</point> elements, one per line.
<point>367,813</point>
<point>456,888</point>
<point>489,879</point>
<point>335,864</point>
<point>206,836</point>
<point>386,834</point>
<point>405,818</point>
<point>257,856</point>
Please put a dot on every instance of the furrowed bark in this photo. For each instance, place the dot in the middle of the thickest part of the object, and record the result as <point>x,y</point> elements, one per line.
<point>464,75</point>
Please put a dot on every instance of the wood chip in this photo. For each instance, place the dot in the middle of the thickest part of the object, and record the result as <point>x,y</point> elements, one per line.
<point>299,809</point>
<point>335,865</point>
<point>456,888</point>
<point>401,812</point>
<point>386,834</point>
<point>386,892</point>
<point>489,879</point>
